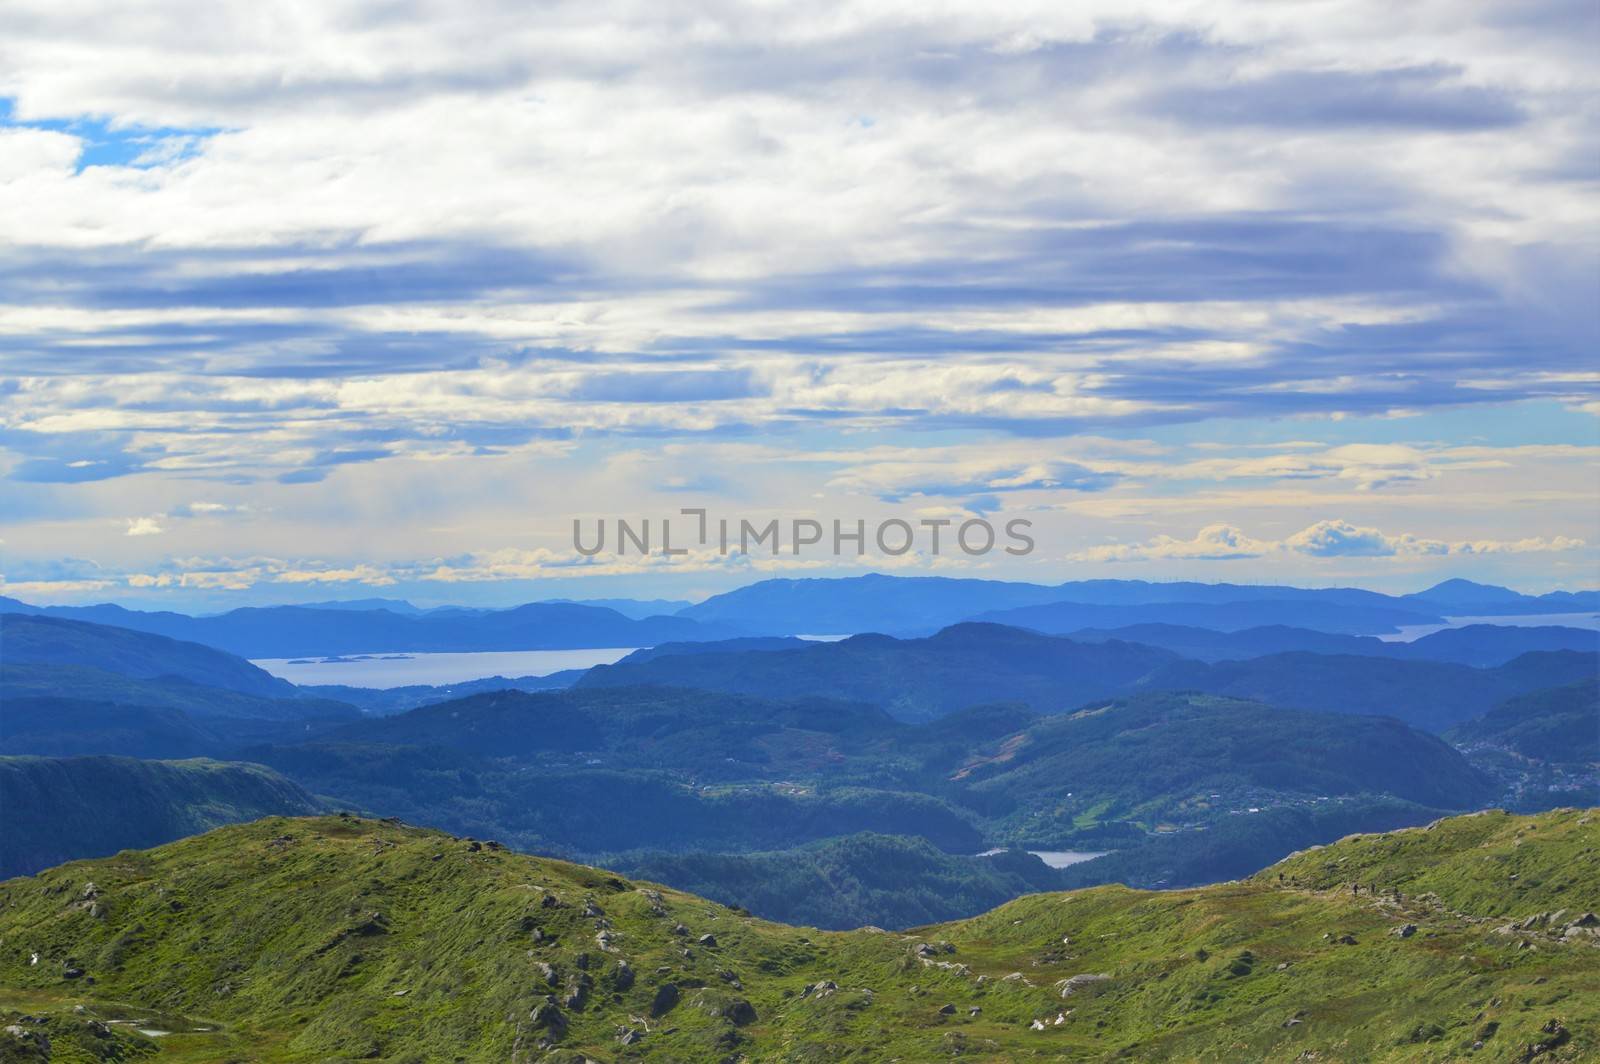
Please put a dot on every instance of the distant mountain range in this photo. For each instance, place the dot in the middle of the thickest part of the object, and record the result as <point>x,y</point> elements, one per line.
<point>918,679</point>
<point>979,734</point>
<point>1477,644</point>
<point>303,631</point>
<point>919,605</point>
<point>890,605</point>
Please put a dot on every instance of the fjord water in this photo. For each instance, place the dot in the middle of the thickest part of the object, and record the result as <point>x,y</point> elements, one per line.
<point>402,670</point>
<point>1410,633</point>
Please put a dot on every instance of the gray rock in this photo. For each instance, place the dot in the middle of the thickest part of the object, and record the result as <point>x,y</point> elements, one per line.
<point>1076,983</point>
<point>548,1016</point>
<point>665,1000</point>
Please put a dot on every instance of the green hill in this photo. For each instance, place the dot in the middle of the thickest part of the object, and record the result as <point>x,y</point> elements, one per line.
<point>1559,724</point>
<point>598,771</point>
<point>339,939</point>
<point>59,808</point>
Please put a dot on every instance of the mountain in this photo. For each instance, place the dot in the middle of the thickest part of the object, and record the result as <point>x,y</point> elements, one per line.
<point>638,609</point>
<point>968,664</point>
<point>37,640</point>
<point>400,606</point>
<point>83,683</point>
<point>1463,598</point>
<point>345,939</point>
<point>708,735</point>
<point>1557,724</point>
<point>300,631</point>
<point>1207,644</point>
<point>1487,645</point>
<point>1479,644</point>
<point>1430,695</point>
<point>1357,619</point>
<point>381,701</point>
<point>1179,760</point>
<point>598,773</point>
<point>919,605</point>
<point>914,679</point>
<point>720,646</point>
<point>64,727</point>
<point>871,603</point>
<point>1459,592</point>
<point>63,808</point>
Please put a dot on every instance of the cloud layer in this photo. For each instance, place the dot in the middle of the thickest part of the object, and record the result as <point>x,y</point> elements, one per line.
<point>288,260</point>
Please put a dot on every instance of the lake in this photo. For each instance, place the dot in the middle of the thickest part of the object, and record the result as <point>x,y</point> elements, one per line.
<point>1055,858</point>
<point>403,670</point>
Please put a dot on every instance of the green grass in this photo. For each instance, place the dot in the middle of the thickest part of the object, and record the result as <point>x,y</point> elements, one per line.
<point>329,939</point>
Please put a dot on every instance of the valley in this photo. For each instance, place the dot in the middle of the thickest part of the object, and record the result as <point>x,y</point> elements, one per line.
<point>740,767</point>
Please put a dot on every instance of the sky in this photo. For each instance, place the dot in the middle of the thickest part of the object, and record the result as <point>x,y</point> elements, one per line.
<point>309,301</point>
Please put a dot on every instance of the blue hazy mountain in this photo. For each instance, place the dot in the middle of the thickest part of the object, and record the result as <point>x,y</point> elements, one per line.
<point>1464,598</point>
<point>919,605</point>
<point>972,663</point>
<point>1480,644</point>
<point>1431,695</point>
<point>1322,616</point>
<point>914,679</point>
<point>638,609</point>
<point>44,640</point>
<point>72,687</point>
<point>841,606</point>
<point>303,631</point>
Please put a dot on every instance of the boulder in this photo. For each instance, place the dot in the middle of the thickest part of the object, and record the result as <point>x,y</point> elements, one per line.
<point>665,1000</point>
<point>1073,984</point>
<point>548,1016</point>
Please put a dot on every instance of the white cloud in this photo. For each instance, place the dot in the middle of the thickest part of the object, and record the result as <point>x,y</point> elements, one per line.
<point>1325,539</point>
<point>340,243</point>
<point>1212,543</point>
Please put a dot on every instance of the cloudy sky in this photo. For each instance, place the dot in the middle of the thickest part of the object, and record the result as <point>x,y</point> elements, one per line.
<point>327,300</point>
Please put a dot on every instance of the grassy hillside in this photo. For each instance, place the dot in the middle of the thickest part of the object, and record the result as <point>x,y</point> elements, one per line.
<point>57,808</point>
<point>336,939</point>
